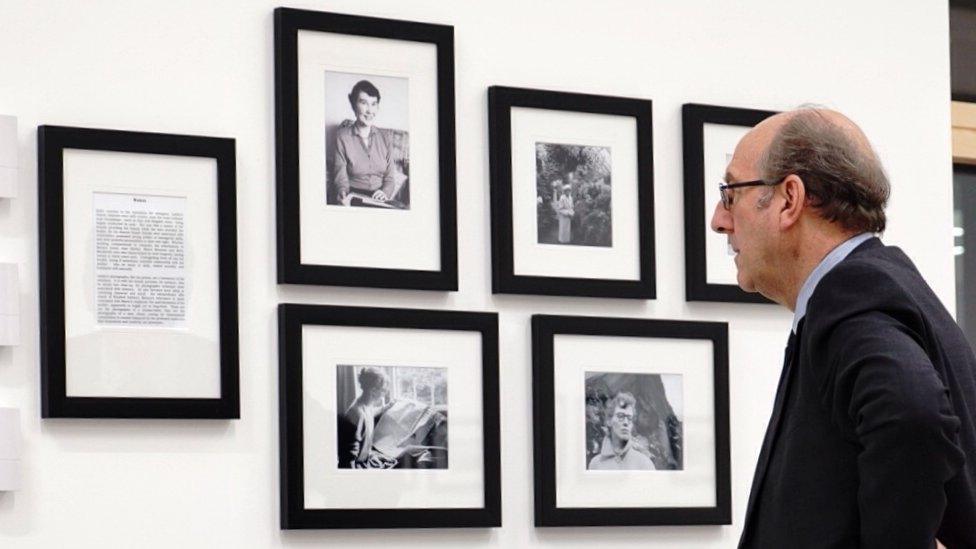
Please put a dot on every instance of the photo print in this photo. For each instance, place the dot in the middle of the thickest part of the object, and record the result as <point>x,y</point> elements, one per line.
<point>367,140</point>
<point>573,198</point>
<point>633,422</point>
<point>391,417</point>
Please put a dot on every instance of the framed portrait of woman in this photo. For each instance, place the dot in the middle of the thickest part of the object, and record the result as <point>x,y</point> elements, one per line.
<point>572,194</point>
<point>365,151</point>
<point>380,428</point>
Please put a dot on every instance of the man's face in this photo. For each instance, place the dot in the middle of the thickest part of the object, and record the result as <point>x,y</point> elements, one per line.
<point>365,107</point>
<point>750,229</point>
<point>622,422</point>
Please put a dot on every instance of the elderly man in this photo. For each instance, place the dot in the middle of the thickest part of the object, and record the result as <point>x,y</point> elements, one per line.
<point>617,452</point>
<point>872,440</point>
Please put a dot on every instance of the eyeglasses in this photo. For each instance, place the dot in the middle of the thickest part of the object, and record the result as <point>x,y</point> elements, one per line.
<point>724,189</point>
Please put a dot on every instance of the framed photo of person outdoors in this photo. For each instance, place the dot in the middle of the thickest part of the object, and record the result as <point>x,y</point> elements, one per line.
<point>389,418</point>
<point>710,134</point>
<point>138,275</point>
<point>631,421</point>
<point>366,190</point>
<point>572,194</point>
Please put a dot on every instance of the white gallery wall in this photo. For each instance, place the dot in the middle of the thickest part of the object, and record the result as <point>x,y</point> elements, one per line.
<point>206,68</point>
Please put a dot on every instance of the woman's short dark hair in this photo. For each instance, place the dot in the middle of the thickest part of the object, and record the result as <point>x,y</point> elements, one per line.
<point>841,174</point>
<point>370,377</point>
<point>363,86</point>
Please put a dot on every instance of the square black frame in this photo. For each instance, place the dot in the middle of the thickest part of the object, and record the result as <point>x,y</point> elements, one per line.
<point>693,119</point>
<point>504,280</point>
<point>544,328</point>
<point>287,23</point>
<point>294,515</point>
<point>51,143</point>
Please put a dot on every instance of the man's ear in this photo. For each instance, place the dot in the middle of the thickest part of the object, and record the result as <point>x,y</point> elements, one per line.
<point>795,195</point>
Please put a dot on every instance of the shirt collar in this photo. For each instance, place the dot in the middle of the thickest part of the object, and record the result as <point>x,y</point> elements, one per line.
<point>608,451</point>
<point>356,132</point>
<point>826,264</point>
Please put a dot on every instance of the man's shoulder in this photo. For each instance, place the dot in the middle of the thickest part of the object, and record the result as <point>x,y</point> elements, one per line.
<point>596,462</point>
<point>874,289</point>
<point>640,459</point>
<point>866,278</point>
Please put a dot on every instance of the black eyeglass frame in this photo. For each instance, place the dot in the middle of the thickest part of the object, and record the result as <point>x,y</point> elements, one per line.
<point>727,199</point>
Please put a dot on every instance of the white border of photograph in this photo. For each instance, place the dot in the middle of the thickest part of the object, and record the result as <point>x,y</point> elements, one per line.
<point>618,262</point>
<point>695,485</point>
<point>326,486</point>
<point>408,239</point>
<point>176,362</point>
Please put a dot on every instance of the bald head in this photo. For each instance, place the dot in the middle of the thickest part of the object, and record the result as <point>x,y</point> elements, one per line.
<point>841,173</point>
<point>813,119</point>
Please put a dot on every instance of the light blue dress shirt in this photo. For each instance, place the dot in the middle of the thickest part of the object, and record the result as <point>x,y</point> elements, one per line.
<point>826,264</point>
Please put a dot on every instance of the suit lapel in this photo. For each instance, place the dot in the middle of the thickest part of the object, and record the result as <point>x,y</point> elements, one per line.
<point>772,430</point>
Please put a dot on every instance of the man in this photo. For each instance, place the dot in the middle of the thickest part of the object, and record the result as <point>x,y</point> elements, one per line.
<point>617,452</point>
<point>871,441</point>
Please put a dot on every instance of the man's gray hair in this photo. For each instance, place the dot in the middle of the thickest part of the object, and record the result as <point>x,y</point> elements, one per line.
<point>841,173</point>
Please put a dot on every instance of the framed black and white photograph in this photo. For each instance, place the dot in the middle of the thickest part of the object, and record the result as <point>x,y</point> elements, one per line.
<point>366,187</point>
<point>138,275</point>
<point>631,422</point>
<point>643,410</point>
<point>400,410</point>
<point>572,194</point>
<point>710,135</point>
<point>389,418</point>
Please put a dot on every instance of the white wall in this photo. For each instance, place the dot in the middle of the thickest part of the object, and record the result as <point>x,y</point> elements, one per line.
<point>206,68</point>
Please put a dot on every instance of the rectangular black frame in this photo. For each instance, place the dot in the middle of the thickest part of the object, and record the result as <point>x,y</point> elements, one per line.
<point>51,143</point>
<point>504,280</point>
<point>544,328</point>
<point>294,515</point>
<point>693,118</point>
<point>287,23</point>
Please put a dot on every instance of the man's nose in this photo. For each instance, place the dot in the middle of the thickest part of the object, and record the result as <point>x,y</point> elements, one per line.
<point>721,219</point>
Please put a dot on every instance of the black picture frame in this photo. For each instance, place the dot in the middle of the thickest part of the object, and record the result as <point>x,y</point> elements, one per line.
<point>291,270</point>
<point>501,100</point>
<point>55,403</point>
<point>294,515</point>
<point>544,328</point>
<point>693,118</point>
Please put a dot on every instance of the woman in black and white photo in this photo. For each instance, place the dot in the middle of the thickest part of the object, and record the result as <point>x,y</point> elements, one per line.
<point>355,426</point>
<point>363,158</point>
<point>562,204</point>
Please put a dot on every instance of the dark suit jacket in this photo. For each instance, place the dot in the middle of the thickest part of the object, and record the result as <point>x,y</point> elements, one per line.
<point>872,440</point>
